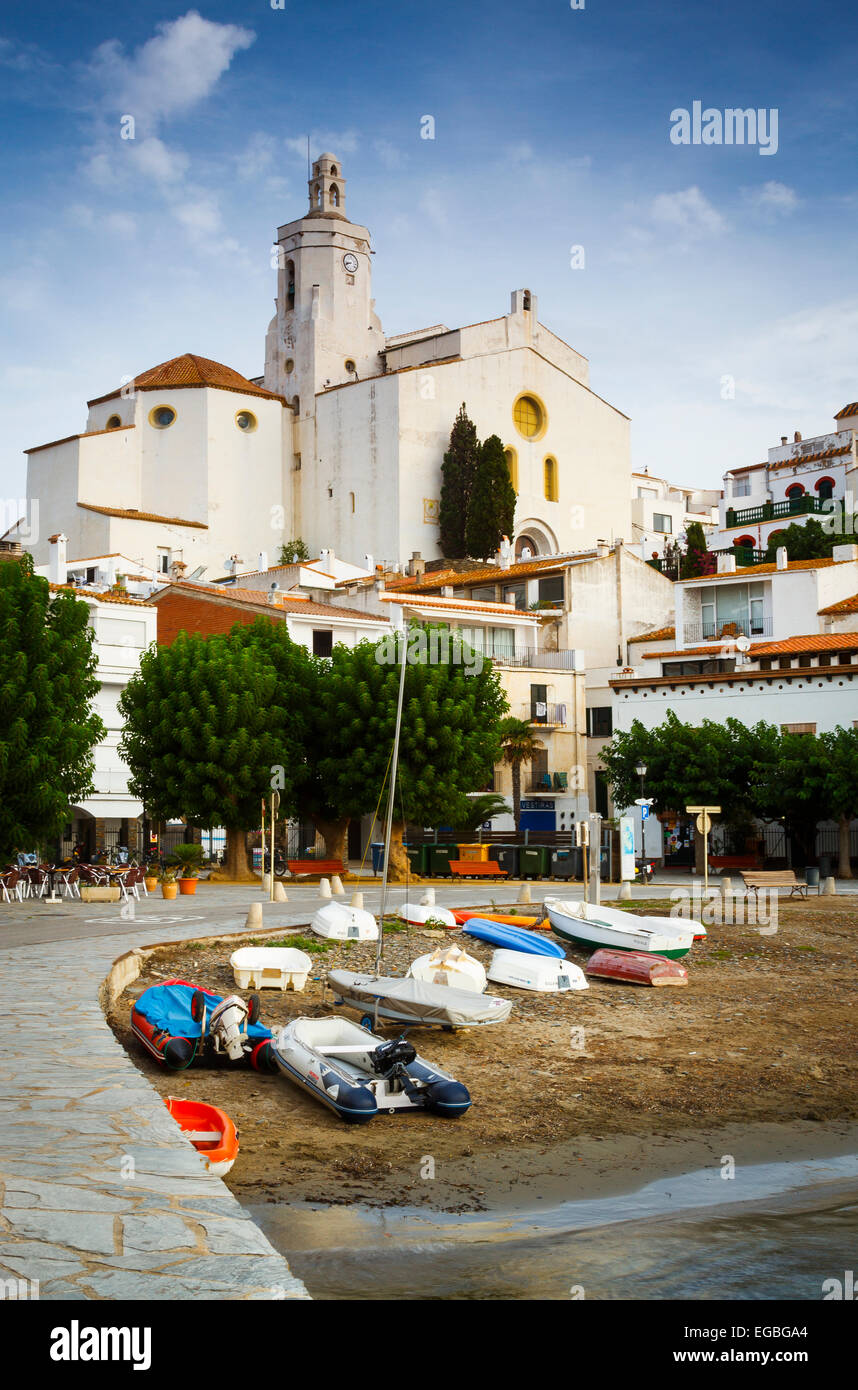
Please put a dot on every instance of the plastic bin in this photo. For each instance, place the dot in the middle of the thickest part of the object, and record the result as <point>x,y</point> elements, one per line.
<point>480,853</point>
<point>535,861</point>
<point>439,859</point>
<point>506,857</point>
<point>418,856</point>
<point>377,857</point>
<point>565,863</point>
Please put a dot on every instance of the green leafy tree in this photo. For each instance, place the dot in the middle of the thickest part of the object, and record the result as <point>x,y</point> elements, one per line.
<point>696,560</point>
<point>491,508</point>
<point>809,540</point>
<point>841,785</point>
<point>292,551</point>
<point>213,724</point>
<point>519,747</point>
<point>450,733</point>
<point>474,811</point>
<point>457,479</point>
<point>48,727</point>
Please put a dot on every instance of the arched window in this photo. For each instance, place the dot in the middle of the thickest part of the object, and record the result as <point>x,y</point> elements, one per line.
<point>746,542</point>
<point>825,489</point>
<point>334,171</point>
<point>290,284</point>
<point>795,490</point>
<point>525,548</point>
<point>335,196</point>
<point>114,422</point>
<point>549,468</point>
<point>512,466</point>
<point>351,501</point>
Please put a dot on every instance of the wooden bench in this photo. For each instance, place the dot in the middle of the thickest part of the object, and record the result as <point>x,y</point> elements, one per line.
<point>476,868</point>
<point>315,866</point>
<point>755,879</point>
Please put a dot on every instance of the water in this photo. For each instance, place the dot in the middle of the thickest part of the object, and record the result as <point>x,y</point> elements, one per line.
<point>777,1231</point>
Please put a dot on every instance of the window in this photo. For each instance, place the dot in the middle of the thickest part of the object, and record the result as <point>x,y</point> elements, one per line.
<point>742,486</point>
<point>529,417</point>
<point>755,603</point>
<point>647,492</point>
<point>503,642</point>
<point>517,592</point>
<point>351,501</point>
<point>162,562</point>
<point>551,590</point>
<point>824,488</point>
<point>747,542</point>
<point>486,593</point>
<point>601,780</point>
<point>539,704</point>
<point>512,466</point>
<point>290,284</point>
<point>323,641</point>
<point>162,416</point>
<point>600,721</point>
<point>289,366</point>
<point>350,366</point>
<point>335,196</point>
<point>662,522</point>
<point>795,490</point>
<point>549,468</point>
<point>114,422</point>
<point>246,421</point>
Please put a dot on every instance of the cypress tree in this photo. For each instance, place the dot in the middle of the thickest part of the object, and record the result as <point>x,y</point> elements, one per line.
<point>457,473</point>
<point>491,509</point>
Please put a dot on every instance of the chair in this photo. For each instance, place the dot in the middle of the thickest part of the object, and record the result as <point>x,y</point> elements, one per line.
<point>10,885</point>
<point>130,882</point>
<point>69,882</point>
<point>37,880</point>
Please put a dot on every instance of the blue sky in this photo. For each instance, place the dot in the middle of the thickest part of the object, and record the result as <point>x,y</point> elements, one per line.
<point>551,131</point>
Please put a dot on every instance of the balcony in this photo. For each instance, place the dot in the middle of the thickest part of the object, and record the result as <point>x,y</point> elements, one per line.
<point>725,631</point>
<point>773,511</point>
<point>543,713</point>
<point>533,657</point>
<point>547,783</point>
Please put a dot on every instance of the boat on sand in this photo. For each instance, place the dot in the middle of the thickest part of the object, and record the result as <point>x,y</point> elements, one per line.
<point>636,968</point>
<point>591,925</point>
<point>209,1129</point>
<point>450,965</point>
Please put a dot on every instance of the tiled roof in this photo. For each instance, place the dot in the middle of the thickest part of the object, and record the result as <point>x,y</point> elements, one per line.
<point>102,598</point>
<point>801,459</point>
<point>850,409</point>
<point>815,642</point>
<point>257,599</point>
<point>618,682</point>
<point>485,574</point>
<point>660,634</point>
<point>463,605</point>
<point>742,571</point>
<point>131,514</point>
<point>187,371</point>
<point>846,605</point>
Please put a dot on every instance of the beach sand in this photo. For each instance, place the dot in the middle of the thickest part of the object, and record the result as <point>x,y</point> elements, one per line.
<point>756,1058</point>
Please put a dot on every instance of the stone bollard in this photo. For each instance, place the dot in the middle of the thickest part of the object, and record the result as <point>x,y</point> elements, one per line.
<point>726,887</point>
<point>357,899</point>
<point>280,893</point>
<point>266,883</point>
<point>428,899</point>
<point>625,890</point>
<point>324,888</point>
<point>337,886</point>
<point>829,888</point>
<point>524,893</point>
<point>254,915</point>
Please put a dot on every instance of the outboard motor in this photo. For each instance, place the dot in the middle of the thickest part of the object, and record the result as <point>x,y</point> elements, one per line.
<point>391,1059</point>
<point>228,1027</point>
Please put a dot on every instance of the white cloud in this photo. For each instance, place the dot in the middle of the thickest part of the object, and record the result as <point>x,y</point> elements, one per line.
<point>200,215</point>
<point>773,198</point>
<point>688,211</point>
<point>155,160</point>
<point>432,206</point>
<point>337,142</point>
<point>389,155</point>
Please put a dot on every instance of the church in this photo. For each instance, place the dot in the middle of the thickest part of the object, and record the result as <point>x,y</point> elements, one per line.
<point>192,469</point>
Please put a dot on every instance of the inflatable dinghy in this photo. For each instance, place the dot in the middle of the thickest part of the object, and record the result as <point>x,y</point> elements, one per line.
<point>180,1025</point>
<point>339,922</point>
<point>512,938</point>
<point>542,974</point>
<point>357,1074</point>
<point>415,1002</point>
<point>450,965</point>
<point>209,1129</point>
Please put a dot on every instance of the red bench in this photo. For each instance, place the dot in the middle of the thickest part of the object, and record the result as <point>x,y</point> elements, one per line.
<point>315,866</point>
<point>476,868</point>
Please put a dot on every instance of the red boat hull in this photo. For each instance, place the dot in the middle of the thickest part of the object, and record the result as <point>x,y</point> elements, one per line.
<point>636,968</point>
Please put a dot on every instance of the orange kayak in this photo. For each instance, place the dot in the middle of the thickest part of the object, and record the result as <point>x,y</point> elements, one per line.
<point>209,1129</point>
<point>507,921</point>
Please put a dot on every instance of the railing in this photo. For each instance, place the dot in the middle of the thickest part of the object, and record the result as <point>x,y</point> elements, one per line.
<point>540,712</point>
<point>534,657</point>
<point>744,555</point>
<point>545,783</point>
<point>724,631</point>
<point>773,511</point>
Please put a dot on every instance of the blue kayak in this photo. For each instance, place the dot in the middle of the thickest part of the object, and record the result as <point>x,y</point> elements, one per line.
<point>512,938</point>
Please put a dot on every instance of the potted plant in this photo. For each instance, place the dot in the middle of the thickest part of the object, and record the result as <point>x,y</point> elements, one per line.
<point>189,858</point>
<point>150,875</point>
<point>167,879</point>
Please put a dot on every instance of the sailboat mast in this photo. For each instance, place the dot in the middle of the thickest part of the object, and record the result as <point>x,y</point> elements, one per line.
<point>394,764</point>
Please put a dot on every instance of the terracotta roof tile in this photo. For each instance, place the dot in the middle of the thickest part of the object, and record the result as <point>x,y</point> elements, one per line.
<point>257,599</point>
<point>815,642</point>
<point>801,459</point>
<point>189,370</point>
<point>101,598</point>
<point>131,514</point>
<point>850,409</point>
<point>846,605</point>
<point>742,570</point>
<point>485,574</point>
<point>660,634</point>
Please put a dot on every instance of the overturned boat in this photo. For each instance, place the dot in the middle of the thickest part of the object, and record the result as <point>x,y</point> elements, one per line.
<point>542,974</point>
<point>357,1074</point>
<point>511,938</point>
<point>340,922</point>
<point>636,968</point>
<point>421,914</point>
<point>450,965</point>
<point>415,1002</point>
<point>592,925</point>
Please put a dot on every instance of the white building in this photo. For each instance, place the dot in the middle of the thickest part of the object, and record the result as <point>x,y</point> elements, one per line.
<point>662,511</point>
<point>808,477</point>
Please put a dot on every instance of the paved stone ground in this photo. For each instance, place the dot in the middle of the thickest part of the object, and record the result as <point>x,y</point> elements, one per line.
<point>100,1196</point>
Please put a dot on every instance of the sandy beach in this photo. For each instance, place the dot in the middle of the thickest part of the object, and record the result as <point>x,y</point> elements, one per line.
<point>756,1059</point>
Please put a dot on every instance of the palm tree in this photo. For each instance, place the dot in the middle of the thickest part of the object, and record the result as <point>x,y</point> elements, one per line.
<point>519,747</point>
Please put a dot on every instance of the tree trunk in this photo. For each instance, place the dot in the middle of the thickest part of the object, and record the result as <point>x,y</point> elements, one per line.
<point>238,868</point>
<point>844,867</point>
<point>400,868</point>
<point>335,835</point>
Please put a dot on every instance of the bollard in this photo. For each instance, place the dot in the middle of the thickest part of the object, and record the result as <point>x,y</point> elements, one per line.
<point>357,899</point>
<point>524,893</point>
<point>625,890</point>
<point>266,883</point>
<point>324,888</point>
<point>337,886</point>
<point>428,899</point>
<point>726,887</point>
<point>829,888</point>
<point>254,915</point>
<point>280,893</point>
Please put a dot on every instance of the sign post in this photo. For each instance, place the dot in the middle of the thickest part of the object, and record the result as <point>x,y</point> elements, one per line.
<point>275,806</point>
<point>704,825</point>
<point>594,893</point>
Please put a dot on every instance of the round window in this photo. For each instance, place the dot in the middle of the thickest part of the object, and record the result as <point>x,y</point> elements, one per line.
<point>114,422</point>
<point>246,421</point>
<point>350,365</point>
<point>162,416</point>
<point>529,417</point>
<point>289,365</point>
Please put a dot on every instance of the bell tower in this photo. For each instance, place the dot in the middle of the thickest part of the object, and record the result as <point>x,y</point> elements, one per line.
<point>327,187</point>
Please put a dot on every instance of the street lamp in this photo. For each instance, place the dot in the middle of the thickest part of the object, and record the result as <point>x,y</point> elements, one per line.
<point>641,772</point>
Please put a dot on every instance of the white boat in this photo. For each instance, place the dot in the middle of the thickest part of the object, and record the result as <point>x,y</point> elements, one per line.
<point>340,922</point>
<point>357,1074</point>
<point>542,974</point>
<point>405,1000</point>
<point>270,967</point>
<point>591,926</point>
<point>450,965</point>
<point>418,914</point>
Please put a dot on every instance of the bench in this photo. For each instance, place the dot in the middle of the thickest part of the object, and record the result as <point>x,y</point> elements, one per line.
<point>315,866</point>
<point>476,868</point>
<point>755,879</point>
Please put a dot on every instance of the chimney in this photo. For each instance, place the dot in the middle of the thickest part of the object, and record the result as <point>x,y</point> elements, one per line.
<point>783,439</point>
<point>418,564</point>
<point>726,564</point>
<point>326,559</point>
<point>797,437</point>
<point>602,548</point>
<point>505,553</point>
<point>369,562</point>
<point>273,593</point>
<point>262,560</point>
<point>844,552</point>
<point>781,557</point>
<point>57,572</point>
